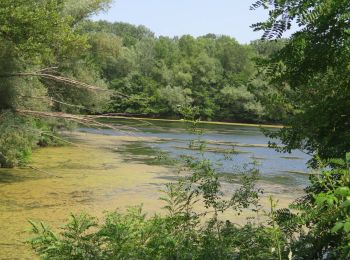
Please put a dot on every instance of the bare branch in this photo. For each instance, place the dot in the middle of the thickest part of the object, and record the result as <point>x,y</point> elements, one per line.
<point>43,73</point>
<point>47,69</point>
<point>57,79</point>
<point>87,120</point>
<point>51,100</point>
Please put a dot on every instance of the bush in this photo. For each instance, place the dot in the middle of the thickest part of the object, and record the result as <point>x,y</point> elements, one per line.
<point>322,223</point>
<point>20,135</point>
<point>15,141</point>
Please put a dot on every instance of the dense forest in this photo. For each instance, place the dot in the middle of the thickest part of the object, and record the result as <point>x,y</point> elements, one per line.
<point>59,69</point>
<point>159,75</point>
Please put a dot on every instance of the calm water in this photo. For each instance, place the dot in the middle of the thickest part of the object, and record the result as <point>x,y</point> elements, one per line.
<point>248,142</point>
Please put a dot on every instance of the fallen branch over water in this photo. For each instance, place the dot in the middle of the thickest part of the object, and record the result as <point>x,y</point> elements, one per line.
<point>87,120</point>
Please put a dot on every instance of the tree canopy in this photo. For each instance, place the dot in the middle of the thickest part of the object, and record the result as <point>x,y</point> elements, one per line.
<point>311,73</point>
<point>212,72</point>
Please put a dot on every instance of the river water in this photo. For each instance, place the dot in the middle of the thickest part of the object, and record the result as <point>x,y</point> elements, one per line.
<point>110,169</point>
<point>244,144</point>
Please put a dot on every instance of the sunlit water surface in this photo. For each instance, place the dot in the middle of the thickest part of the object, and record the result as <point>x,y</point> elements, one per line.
<point>229,147</point>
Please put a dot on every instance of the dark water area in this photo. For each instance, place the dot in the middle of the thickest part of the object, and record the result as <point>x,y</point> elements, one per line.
<point>244,144</point>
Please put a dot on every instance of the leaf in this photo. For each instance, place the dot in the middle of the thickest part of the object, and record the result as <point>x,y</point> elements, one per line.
<point>347,158</point>
<point>331,201</point>
<point>343,191</point>
<point>347,226</point>
<point>337,227</point>
<point>345,204</point>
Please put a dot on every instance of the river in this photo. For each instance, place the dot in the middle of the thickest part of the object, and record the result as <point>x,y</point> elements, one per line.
<point>244,143</point>
<point>106,169</point>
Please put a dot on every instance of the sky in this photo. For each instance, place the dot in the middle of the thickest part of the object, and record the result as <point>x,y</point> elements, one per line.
<point>194,17</point>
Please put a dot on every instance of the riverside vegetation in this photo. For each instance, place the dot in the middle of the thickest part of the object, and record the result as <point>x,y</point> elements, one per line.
<point>57,67</point>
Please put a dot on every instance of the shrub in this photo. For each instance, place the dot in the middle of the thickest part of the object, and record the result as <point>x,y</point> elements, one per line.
<point>20,135</point>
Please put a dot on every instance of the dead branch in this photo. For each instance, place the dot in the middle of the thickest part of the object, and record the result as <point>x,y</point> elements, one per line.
<point>51,100</point>
<point>47,69</point>
<point>87,120</point>
<point>60,79</point>
<point>43,73</point>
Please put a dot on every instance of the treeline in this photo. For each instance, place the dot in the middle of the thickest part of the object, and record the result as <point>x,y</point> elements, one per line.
<point>158,76</point>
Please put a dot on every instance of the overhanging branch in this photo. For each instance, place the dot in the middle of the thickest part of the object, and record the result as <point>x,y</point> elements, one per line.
<point>87,120</point>
<point>44,73</point>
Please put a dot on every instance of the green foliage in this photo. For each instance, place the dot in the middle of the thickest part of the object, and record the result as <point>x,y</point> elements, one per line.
<point>105,50</point>
<point>75,100</point>
<point>78,241</point>
<point>15,144</point>
<point>239,103</point>
<point>320,227</point>
<point>18,136</point>
<point>36,29</point>
<point>82,9</point>
<point>39,45</point>
<point>310,74</point>
<point>196,71</point>
<point>174,98</point>
<point>267,48</point>
<point>129,33</point>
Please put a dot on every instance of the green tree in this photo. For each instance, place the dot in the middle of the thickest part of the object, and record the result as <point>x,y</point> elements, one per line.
<point>131,34</point>
<point>207,67</point>
<point>79,10</point>
<point>314,66</point>
<point>41,60</point>
<point>174,98</point>
<point>238,103</point>
<point>105,51</point>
